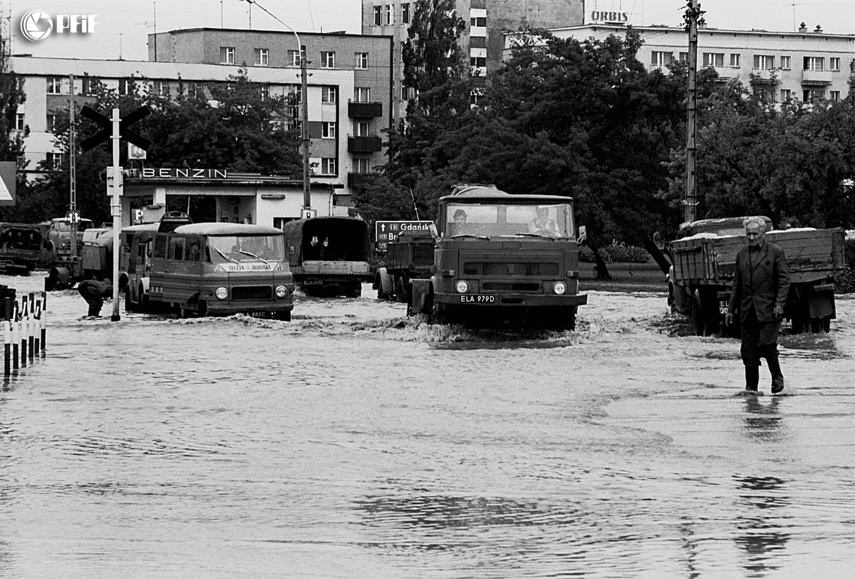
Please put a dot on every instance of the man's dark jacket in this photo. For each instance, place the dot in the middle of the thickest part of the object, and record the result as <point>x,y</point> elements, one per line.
<point>761,287</point>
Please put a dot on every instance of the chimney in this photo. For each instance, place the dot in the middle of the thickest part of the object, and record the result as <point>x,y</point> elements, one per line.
<point>803,27</point>
<point>818,29</point>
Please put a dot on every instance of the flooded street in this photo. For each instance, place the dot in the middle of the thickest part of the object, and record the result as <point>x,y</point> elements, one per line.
<point>355,442</point>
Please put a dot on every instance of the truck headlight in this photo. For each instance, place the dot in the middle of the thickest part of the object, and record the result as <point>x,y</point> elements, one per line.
<point>462,287</point>
<point>559,288</point>
<point>222,293</point>
<point>281,291</point>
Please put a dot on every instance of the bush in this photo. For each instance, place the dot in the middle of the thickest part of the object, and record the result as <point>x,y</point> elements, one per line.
<point>619,253</point>
<point>845,282</point>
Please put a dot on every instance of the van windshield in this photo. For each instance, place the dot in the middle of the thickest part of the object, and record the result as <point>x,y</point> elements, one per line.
<point>237,248</point>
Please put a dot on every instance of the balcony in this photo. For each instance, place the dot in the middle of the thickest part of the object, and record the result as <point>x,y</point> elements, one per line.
<point>364,110</point>
<point>357,180</point>
<point>816,77</point>
<point>364,144</point>
<point>764,76</point>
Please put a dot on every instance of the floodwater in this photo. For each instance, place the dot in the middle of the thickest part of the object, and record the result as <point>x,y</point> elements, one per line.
<point>354,442</point>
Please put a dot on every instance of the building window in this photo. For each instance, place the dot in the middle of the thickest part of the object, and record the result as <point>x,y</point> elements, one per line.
<point>191,89</point>
<point>159,88</point>
<point>327,59</point>
<point>478,22</point>
<point>362,94</point>
<point>327,130</point>
<point>50,122</point>
<point>390,14</point>
<point>658,58</point>
<point>378,15</point>
<point>360,129</point>
<point>19,122</point>
<point>55,161</point>
<point>294,56</point>
<point>735,60</point>
<point>835,95</point>
<point>405,92</point>
<point>764,62</point>
<point>814,63</point>
<point>329,166</point>
<point>478,61</point>
<point>227,55</point>
<point>361,60</point>
<point>405,12</point>
<point>812,94</point>
<point>715,59</point>
<point>262,57</point>
<point>834,63</point>
<point>89,83</point>
<point>684,57</point>
<point>264,92</point>
<point>786,95</point>
<point>328,94</point>
<point>786,62</point>
<point>54,85</point>
<point>361,165</point>
<point>126,86</point>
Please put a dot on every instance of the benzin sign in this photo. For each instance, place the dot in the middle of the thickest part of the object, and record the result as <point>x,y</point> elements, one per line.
<point>37,24</point>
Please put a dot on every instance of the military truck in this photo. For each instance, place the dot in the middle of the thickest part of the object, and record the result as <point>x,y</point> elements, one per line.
<point>703,261</point>
<point>329,256</point>
<point>23,246</point>
<point>493,263</point>
<point>408,257</point>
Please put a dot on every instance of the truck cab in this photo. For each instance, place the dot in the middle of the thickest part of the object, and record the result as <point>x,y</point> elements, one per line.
<point>503,257</point>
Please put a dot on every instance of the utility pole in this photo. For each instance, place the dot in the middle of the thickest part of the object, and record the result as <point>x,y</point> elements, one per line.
<point>690,202</point>
<point>72,169</point>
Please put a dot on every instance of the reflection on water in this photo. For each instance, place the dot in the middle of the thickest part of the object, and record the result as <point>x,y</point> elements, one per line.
<point>762,420</point>
<point>761,524</point>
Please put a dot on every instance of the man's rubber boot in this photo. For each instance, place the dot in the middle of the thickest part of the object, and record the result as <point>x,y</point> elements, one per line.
<point>777,376</point>
<point>752,378</point>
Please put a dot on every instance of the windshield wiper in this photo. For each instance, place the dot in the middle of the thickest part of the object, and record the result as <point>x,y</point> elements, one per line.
<point>253,255</point>
<point>470,235</point>
<point>224,255</point>
<point>540,235</point>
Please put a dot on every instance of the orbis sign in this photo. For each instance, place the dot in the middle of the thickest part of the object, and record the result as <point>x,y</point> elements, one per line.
<point>603,16</point>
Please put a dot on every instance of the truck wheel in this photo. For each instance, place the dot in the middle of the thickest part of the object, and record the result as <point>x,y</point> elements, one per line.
<point>697,314</point>
<point>401,292</point>
<point>353,290</point>
<point>378,285</point>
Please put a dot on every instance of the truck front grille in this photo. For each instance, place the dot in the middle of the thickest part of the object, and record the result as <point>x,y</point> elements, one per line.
<point>260,292</point>
<point>502,269</point>
<point>510,286</point>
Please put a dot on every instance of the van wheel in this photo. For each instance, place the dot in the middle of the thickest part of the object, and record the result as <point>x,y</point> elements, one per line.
<point>401,293</point>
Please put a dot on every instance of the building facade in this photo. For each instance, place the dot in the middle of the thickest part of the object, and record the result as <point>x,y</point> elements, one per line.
<point>802,65</point>
<point>483,39</point>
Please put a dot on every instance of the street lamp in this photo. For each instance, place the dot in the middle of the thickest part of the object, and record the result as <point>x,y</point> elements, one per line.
<point>304,108</point>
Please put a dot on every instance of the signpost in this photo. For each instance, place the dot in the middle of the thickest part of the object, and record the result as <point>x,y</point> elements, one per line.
<point>7,183</point>
<point>387,231</point>
<point>116,129</point>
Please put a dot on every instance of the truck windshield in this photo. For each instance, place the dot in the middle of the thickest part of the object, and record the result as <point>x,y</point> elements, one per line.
<point>499,219</point>
<point>237,248</point>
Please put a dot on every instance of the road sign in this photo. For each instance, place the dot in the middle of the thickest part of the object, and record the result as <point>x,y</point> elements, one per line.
<point>7,183</point>
<point>136,153</point>
<point>387,231</point>
<point>106,125</point>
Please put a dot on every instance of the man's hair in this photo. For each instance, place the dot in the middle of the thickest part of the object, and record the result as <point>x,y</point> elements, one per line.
<point>754,220</point>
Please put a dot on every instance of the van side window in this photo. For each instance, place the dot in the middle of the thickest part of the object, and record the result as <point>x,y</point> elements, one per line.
<point>176,248</point>
<point>194,249</point>
<point>160,246</point>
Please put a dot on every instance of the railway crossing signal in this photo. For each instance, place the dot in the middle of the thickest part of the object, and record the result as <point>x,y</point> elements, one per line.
<point>106,125</point>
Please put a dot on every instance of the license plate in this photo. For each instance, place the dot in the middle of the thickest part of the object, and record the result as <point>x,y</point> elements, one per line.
<point>477,299</point>
<point>722,307</point>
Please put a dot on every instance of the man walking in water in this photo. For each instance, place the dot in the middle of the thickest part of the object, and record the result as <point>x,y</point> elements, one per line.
<point>759,294</point>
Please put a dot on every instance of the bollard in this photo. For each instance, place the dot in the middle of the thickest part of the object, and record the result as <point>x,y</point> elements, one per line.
<point>44,320</point>
<point>7,336</point>
<point>23,329</point>
<point>15,336</point>
<point>37,327</point>
<point>31,327</point>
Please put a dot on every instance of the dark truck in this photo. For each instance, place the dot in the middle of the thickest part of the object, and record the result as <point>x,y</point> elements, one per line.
<point>329,255</point>
<point>704,264</point>
<point>492,262</point>
<point>408,257</point>
<point>23,246</point>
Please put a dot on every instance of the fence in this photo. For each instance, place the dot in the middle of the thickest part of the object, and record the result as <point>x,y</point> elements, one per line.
<point>25,328</point>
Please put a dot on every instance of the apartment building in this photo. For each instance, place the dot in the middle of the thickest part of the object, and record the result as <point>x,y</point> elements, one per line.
<point>482,40</point>
<point>802,65</point>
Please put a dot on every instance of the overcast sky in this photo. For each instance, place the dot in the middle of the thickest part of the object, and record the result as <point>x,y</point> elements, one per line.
<point>122,26</point>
